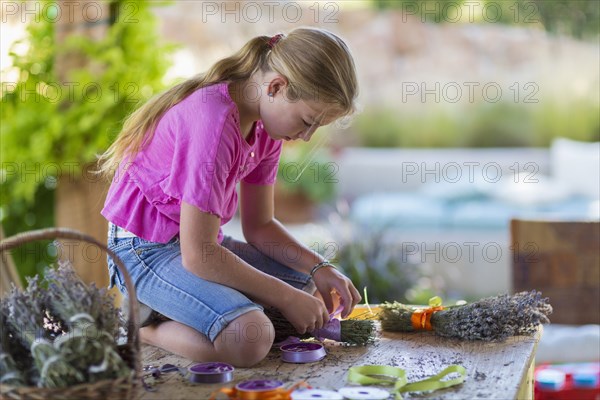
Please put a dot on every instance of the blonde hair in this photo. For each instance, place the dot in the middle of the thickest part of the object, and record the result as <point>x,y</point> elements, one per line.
<point>317,64</point>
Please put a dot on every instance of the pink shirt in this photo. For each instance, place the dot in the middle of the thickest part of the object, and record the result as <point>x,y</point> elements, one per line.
<point>197,155</point>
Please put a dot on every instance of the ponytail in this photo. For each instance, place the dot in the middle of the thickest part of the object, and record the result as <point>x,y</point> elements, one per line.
<point>139,127</point>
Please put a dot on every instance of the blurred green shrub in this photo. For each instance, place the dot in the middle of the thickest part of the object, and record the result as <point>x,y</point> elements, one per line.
<point>379,128</point>
<point>18,216</point>
<point>501,124</point>
<point>51,128</point>
<point>578,120</point>
<point>498,125</point>
<point>372,262</point>
<point>303,168</point>
<point>576,18</point>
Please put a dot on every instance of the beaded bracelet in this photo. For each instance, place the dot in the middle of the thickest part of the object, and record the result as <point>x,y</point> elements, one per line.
<point>320,265</point>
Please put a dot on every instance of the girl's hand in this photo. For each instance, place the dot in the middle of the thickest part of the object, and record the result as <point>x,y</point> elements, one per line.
<point>328,279</point>
<point>304,311</point>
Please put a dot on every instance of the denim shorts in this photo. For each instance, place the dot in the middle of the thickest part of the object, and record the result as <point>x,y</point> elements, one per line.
<point>163,284</point>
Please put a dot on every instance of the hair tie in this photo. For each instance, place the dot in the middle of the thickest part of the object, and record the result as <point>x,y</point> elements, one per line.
<point>274,40</point>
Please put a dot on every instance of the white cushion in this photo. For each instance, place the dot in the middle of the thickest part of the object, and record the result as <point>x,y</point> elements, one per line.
<point>527,190</point>
<point>577,166</point>
<point>569,343</point>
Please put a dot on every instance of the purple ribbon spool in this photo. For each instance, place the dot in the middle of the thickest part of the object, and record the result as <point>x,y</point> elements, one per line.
<point>211,372</point>
<point>300,353</point>
<point>259,385</point>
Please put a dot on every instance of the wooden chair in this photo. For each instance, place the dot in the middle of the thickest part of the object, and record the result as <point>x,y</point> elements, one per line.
<point>562,260</point>
<point>8,272</point>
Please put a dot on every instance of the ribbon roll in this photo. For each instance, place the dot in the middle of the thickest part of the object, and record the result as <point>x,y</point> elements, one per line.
<point>262,389</point>
<point>316,394</point>
<point>211,372</point>
<point>364,393</point>
<point>300,353</point>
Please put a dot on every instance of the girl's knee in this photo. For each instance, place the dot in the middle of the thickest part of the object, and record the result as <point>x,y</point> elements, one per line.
<point>147,335</point>
<point>247,339</point>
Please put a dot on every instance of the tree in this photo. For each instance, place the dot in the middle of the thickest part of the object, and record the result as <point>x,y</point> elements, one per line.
<point>86,68</point>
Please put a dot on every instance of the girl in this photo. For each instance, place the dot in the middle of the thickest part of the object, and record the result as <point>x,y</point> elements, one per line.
<point>178,160</point>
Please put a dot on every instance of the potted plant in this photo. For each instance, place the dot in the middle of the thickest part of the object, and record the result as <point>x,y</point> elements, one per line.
<point>306,178</point>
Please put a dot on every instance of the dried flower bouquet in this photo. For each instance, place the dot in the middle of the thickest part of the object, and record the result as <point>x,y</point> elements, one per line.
<point>491,319</point>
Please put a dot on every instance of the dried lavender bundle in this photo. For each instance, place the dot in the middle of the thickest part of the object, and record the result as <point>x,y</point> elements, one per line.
<point>10,373</point>
<point>27,319</point>
<point>490,319</point>
<point>59,322</point>
<point>357,332</point>
<point>13,345</point>
<point>97,359</point>
<point>55,370</point>
<point>86,346</point>
<point>71,297</point>
<point>26,311</point>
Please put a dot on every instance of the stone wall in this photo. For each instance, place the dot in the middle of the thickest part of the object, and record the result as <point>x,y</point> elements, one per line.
<point>396,53</point>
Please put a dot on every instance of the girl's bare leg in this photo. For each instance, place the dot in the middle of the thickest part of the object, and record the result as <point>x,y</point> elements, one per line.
<point>243,343</point>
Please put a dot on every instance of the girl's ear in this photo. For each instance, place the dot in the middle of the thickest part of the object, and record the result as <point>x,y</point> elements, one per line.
<point>277,84</point>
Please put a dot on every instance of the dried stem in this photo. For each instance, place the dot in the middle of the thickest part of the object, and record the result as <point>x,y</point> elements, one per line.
<point>357,332</point>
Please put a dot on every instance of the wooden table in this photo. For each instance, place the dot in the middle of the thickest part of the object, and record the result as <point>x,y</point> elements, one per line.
<point>494,370</point>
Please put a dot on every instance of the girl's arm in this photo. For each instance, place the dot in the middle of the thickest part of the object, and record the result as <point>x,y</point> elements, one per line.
<point>204,257</point>
<point>263,231</point>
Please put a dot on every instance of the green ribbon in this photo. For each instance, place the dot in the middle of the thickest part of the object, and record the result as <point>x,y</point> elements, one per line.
<point>435,301</point>
<point>387,375</point>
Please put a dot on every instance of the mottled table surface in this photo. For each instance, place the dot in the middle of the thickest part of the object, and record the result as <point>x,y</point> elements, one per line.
<point>494,370</point>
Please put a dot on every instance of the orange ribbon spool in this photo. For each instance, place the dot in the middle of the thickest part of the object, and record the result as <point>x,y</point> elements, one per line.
<point>274,394</point>
<point>421,318</point>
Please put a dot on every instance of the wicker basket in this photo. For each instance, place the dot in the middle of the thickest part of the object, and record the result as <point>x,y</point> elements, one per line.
<point>122,388</point>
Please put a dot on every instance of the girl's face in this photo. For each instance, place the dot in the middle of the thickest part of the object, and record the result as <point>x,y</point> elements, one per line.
<point>286,119</point>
